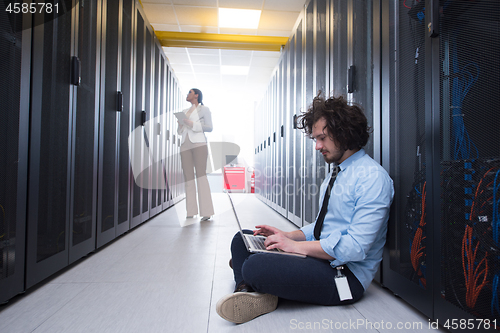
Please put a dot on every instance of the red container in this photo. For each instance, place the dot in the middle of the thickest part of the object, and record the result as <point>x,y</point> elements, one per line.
<point>234,178</point>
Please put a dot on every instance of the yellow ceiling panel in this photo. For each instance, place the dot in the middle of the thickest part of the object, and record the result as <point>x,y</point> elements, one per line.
<point>221,41</point>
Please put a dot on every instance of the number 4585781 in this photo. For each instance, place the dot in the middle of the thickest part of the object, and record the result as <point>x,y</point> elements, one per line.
<point>32,8</point>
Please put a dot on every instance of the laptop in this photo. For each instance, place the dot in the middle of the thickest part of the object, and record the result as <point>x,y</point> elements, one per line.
<point>255,244</point>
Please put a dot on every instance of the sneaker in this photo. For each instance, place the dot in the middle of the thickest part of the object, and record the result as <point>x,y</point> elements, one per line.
<point>241,307</point>
<point>205,218</point>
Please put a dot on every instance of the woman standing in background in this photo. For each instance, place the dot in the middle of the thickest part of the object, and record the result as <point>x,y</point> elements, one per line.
<point>194,153</point>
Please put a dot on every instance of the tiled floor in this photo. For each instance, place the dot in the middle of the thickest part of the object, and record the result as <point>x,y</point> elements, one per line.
<point>167,276</point>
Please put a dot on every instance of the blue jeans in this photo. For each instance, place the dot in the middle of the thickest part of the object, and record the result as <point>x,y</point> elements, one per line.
<point>309,280</point>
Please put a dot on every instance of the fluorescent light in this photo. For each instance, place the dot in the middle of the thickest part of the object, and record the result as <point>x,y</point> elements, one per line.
<point>234,70</point>
<point>239,18</point>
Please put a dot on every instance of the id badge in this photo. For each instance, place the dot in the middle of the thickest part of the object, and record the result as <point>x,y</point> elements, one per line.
<point>342,285</point>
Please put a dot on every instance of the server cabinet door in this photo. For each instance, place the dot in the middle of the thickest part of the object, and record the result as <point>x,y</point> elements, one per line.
<point>169,123</point>
<point>361,66</point>
<point>468,162</point>
<point>298,146</point>
<point>162,198</point>
<point>280,143</point>
<point>113,101</point>
<point>148,125</point>
<point>321,83</point>
<point>407,254</point>
<point>154,135</point>
<point>282,138</point>
<point>339,47</point>
<point>290,131</point>
<point>15,52</point>
<point>85,132</point>
<point>124,118</point>
<point>139,119</point>
<point>49,201</point>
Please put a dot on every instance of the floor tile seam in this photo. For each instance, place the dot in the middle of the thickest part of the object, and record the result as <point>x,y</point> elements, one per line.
<point>212,286</point>
<point>61,307</point>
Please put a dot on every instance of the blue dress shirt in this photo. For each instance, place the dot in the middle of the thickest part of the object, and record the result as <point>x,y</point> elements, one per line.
<point>355,225</point>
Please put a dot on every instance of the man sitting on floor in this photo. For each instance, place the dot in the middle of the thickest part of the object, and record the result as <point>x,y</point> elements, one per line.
<point>344,245</point>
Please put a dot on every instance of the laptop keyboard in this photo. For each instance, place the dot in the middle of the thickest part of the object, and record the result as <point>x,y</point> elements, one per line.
<point>258,243</point>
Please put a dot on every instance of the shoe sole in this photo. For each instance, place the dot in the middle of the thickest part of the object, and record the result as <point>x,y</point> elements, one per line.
<point>241,307</point>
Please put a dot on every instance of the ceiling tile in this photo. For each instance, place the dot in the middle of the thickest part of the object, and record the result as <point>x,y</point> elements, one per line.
<point>199,29</point>
<point>178,58</point>
<point>268,54</point>
<point>278,20</point>
<point>183,68</point>
<point>288,5</point>
<point>204,69</point>
<point>242,4</point>
<point>184,76</point>
<point>209,3</point>
<point>274,33</point>
<point>235,61</point>
<point>233,81</point>
<point>205,59</point>
<point>197,16</point>
<point>258,72</point>
<point>238,53</point>
<point>159,13</point>
<point>165,27</point>
<point>203,51</point>
<point>180,50</point>
<point>264,61</point>
<point>235,31</point>
<point>208,80</point>
<point>165,2</point>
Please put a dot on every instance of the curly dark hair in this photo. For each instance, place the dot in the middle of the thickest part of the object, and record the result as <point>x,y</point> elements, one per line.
<point>346,124</point>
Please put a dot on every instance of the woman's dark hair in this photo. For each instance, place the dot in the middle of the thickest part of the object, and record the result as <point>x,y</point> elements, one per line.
<point>346,124</point>
<point>200,95</point>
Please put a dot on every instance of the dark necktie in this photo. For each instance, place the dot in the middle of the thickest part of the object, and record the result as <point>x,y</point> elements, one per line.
<point>324,207</point>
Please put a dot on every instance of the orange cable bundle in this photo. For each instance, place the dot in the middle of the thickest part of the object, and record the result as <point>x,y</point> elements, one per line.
<point>472,275</point>
<point>417,250</point>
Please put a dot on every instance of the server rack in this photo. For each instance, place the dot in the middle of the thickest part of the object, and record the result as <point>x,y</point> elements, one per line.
<point>308,153</point>
<point>113,189</point>
<point>85,124</point>
<point>298,148</point>
<point>466,163</point>
<point>153,135</point>
<point>53,103</point>
<point>408,253</point>
<point>15,53</point>
<point>71,108</point>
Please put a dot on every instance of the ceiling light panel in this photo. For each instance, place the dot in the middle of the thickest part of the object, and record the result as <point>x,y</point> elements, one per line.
<point>239,18</point>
